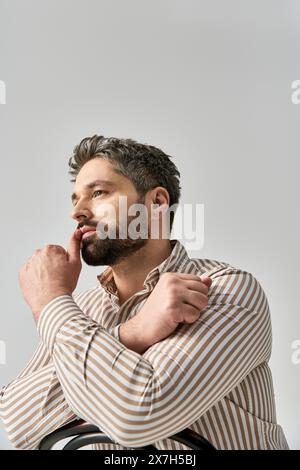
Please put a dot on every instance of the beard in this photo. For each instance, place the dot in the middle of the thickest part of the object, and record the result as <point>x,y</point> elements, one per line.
<point>109,251</point>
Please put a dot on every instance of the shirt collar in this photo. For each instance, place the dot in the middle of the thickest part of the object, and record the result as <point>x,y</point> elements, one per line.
<point>175,262</point>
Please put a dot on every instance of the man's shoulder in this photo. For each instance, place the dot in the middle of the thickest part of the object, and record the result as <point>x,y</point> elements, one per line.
<point>215,268</point>
<point>212,267</point>
<point>230,284</point>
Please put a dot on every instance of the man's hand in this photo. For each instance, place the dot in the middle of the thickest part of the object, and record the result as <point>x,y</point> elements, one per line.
<point>50,272</point>
<point>176,298</point>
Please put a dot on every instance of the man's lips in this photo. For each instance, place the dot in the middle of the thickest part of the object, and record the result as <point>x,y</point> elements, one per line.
<point>88,234</point>
<point>86,229</point>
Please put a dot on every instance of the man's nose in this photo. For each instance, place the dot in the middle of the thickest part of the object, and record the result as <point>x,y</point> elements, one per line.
<point>79,214</point>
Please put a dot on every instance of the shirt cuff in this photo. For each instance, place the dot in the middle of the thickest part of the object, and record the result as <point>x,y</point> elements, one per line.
<point>115,332</point>
<point>52,317</point>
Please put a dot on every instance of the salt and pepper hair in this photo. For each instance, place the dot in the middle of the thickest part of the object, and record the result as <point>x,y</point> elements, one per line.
<point>145,165</point>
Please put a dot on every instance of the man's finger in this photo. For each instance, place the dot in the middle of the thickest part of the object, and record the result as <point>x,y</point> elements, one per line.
<point>74,246</point>
<point>206,280</point>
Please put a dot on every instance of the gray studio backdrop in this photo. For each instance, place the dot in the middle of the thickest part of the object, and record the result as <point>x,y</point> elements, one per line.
<point>209,82</point>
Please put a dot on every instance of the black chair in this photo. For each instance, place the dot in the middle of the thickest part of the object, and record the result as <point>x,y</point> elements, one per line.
<point>86,434</point>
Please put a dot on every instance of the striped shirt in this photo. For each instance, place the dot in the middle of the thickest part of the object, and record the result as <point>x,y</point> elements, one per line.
<point>211,376</point>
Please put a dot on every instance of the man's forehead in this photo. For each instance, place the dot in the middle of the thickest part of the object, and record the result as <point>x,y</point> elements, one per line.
<point>96,169</point>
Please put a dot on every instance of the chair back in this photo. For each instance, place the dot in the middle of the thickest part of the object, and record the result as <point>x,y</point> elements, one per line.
<point>86,434</point>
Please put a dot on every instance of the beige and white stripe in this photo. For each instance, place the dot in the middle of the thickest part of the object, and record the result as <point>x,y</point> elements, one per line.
<point>211,376</point>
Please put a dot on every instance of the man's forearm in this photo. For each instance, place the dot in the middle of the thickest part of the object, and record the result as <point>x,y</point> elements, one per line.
<point>132,335</point>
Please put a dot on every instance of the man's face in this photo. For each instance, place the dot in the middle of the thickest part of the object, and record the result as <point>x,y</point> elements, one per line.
<point>89,210</point>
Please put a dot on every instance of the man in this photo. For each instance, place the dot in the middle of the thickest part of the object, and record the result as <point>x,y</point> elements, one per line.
<point>163,341</point>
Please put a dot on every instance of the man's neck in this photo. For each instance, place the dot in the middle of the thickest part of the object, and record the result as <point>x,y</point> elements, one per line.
<point>130,273</point>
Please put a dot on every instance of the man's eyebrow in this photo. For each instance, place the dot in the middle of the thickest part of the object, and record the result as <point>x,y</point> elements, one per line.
<point>92,185</point>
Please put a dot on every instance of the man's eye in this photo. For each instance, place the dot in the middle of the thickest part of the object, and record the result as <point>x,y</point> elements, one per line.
<point>98,191</point>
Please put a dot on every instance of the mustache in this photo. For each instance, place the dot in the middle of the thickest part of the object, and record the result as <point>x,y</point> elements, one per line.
<point>88,224</point>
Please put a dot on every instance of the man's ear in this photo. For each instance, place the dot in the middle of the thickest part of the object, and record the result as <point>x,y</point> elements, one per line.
<point>161,196</point>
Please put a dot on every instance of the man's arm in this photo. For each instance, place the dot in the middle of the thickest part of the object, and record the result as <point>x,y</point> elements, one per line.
<point>138,399</point>
<point>33,404</point>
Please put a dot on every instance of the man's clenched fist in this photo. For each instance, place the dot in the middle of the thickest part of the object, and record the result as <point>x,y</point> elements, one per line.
<point>50,272</point>
<point>176,298</point>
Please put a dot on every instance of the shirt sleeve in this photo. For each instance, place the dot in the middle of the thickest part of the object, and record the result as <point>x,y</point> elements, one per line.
<point>139,399</point>
<point>33,404</point>
<point>32,407</point>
